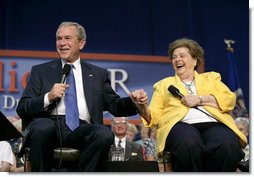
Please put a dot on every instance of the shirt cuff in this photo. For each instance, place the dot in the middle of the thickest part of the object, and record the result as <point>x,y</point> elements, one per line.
<point>46,100</point>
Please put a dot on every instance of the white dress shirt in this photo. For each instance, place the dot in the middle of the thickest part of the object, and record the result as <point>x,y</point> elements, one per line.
<point>195,115</point>
<point>123,143</point>
<point>81,100</point>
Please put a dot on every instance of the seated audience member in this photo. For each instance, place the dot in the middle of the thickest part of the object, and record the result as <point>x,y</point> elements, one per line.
<point>14,167</point>
<point>192,113</point>
<point>143,134</point>
<point>150,145</point>
<point>17,123</point>
<point>6,156</point>
<point>10,147</point>
<point>150,149</point>
<point>243,125</point>
<point>8,161</point>
<point>132,131</point>
<point>16,143</point>
<point>131,150</point>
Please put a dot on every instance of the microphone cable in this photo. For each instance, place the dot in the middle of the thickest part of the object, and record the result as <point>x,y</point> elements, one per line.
<point>195,107</point>
<point>60,137</point>
<point>176,93</point>
<point>65,72</point>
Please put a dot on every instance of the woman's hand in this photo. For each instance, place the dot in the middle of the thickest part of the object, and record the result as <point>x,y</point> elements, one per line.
<point>191,100</point>
<point>196,100</point>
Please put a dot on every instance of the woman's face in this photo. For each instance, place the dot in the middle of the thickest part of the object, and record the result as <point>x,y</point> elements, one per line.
<point>183,62</point>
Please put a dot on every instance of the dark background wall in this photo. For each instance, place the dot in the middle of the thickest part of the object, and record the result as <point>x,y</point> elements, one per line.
<point>134,27</point>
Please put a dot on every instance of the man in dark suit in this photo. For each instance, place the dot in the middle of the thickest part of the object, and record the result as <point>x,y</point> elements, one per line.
<point>131,150</point>
<point>43,105</point>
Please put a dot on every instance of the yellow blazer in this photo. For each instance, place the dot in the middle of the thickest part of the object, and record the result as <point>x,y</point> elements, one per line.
<point>167,110</point>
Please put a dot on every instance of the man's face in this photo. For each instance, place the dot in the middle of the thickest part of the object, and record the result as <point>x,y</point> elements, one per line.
<point>119,126</point>
<point>67,43</point>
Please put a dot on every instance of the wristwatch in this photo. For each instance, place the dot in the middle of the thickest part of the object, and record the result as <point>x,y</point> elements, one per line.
<point>201,100</point>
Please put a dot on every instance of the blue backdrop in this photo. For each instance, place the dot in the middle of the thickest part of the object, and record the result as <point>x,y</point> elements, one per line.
<point>143,27</point>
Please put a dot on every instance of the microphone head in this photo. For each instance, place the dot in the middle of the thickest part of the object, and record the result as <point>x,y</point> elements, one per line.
<point>66,69</point>
<point>173,90</point>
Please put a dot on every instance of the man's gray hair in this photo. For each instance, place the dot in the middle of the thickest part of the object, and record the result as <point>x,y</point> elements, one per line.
<point>113,119</point>
<point>81,33</point>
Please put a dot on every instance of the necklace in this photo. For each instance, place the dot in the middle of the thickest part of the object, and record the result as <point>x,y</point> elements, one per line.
<point>188,87</point>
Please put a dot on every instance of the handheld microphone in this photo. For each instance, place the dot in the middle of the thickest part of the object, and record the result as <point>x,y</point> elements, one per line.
<point>174,91</point>
<point>65,72</point>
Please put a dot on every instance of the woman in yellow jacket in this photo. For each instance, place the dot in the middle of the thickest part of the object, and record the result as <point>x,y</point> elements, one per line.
<point>194,124</point>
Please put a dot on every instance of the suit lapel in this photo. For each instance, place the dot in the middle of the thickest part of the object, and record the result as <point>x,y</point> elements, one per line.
<point>128,149</point>
<point>54,72</point>
<point>88,79</point>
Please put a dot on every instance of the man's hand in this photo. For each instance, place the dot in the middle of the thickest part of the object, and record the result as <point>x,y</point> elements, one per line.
<point>57,91</point>
<point>139,97</point>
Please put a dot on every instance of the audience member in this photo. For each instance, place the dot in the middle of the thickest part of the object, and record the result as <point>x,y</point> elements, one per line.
<point>131,150</point>
<point>143,134</point>
<point>243,125</point>
<point>6,156</point>
<point>14,167</point>
<point>150,145</point>
<point>16,144</point>
<point>131,132</point>
<point>150,149</point>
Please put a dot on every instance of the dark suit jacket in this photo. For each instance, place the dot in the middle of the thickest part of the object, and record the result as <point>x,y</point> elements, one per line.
<point>98,92</point>
<point>133,151</point>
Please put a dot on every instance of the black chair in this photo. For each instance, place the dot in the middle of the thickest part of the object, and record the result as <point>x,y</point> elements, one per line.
<point>65,159</point>
<point>243,166</point>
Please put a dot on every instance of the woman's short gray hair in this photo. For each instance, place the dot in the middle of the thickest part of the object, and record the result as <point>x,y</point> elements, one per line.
<point>244,121</point>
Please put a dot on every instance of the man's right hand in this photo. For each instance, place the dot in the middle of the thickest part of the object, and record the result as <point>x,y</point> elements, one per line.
<point>57,91</point>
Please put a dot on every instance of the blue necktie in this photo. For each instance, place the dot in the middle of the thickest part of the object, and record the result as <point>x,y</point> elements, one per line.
<point>71,106</point>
